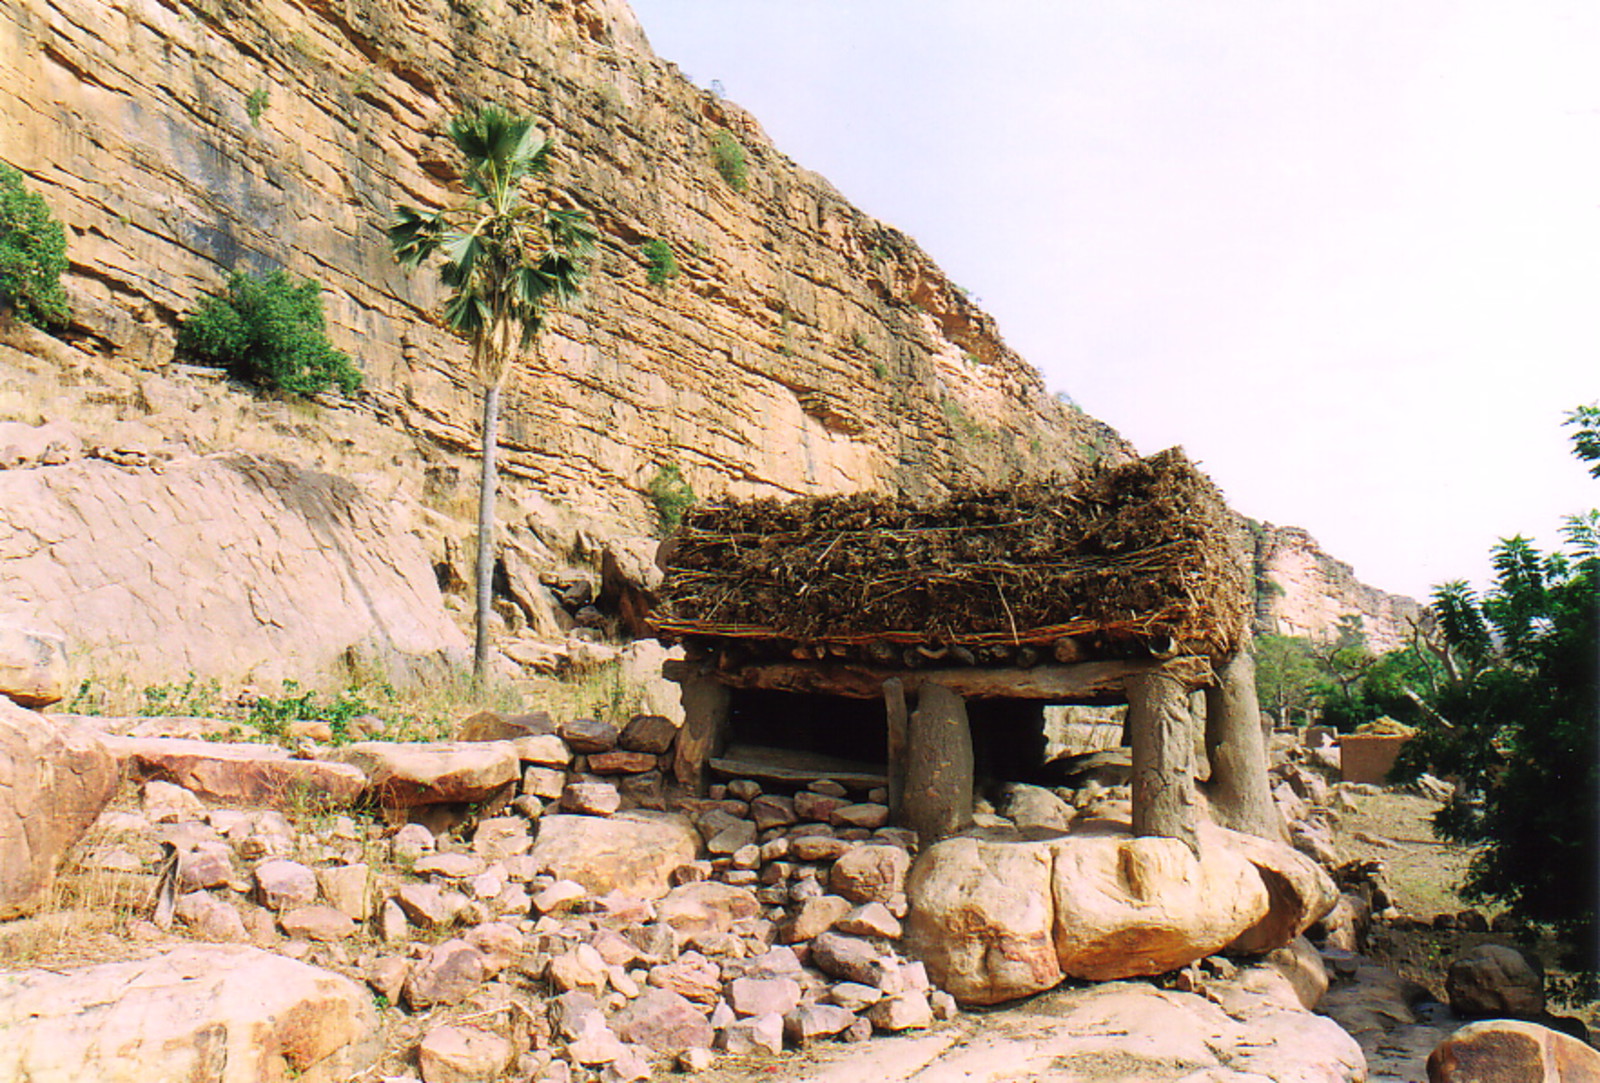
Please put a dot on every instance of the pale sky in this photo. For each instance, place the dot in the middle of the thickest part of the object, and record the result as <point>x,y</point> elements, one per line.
<point>1346,252</point>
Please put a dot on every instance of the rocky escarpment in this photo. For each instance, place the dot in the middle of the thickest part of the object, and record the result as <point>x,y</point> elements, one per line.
<point>1311,591</point>
<point>805,347</point>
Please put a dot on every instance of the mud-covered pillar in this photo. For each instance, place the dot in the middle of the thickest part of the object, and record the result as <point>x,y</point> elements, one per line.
<point>1236,745</point>
<point>937,801</point>
<point>705,725</point>
<point>1159,726</point>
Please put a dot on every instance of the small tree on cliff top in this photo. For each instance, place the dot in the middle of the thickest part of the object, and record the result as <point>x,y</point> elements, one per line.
<point>508,252</point>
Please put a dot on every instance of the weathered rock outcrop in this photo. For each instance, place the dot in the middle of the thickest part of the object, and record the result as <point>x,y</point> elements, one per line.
<point>230,1014</point>
<point>1311,591</point>
<point>33,666</point>
<point>806,347</point>
<point>219,566</point>
<point>53,783</point>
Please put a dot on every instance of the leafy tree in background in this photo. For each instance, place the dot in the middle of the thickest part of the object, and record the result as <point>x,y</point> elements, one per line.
<point>507,253</point>
<point>269,331</point>
<point>33,255</point>
<point>1515,723</point>
<point>1289,682</point>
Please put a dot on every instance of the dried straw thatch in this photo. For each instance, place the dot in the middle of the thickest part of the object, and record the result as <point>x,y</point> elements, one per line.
<point>1144,549</point>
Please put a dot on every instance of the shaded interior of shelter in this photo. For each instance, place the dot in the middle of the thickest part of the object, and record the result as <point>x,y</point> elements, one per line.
<point>824,736</point>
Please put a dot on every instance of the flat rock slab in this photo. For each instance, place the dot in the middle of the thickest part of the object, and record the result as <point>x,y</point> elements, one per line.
<point>632,852</point>
<point>1116,1031</point>
<point>238,774</point>
<point>406,775</point>
<point>211,1012</point>
<point>792,767</point>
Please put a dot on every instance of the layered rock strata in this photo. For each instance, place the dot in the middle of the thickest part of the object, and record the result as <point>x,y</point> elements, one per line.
<point>805,347</point>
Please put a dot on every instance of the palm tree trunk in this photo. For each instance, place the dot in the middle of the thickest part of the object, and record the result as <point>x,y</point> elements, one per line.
<point>486,490</point>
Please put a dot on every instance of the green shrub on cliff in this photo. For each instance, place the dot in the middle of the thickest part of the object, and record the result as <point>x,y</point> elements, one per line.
<point>727,154</point>
<point>663,264</point>
<point>269,332</point>
<point>672,496</point>
<point>33,255</point>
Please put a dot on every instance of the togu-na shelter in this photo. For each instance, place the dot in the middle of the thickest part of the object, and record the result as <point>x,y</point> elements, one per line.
<point>930,637</point>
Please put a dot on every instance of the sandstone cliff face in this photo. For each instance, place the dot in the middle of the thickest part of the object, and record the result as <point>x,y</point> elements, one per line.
<point>1314,591</point>
<point>805,348</point>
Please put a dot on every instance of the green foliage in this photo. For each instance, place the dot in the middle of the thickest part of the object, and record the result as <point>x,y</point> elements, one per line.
<point>256,104</point>
<point>880,370</point>
<point>505,257</point>
<point>33,255</point>
<point>270,332</point>
<point>1289,682</point>
<point>956,416</point>
<point>1586,441</point>
<point>663,264</point>
<point>87,700</point>
<point>1521,742</point>
<point>271,716</point>
<point>192,698</point>
<point>1513,720</point>
<point>727,154</point>
<point>1344,661</point>
<point>672,496</point>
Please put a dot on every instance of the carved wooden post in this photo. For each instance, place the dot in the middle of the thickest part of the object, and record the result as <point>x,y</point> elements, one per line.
<point>894,708</point>
<point>1237,748</point>
<point>705,722</point>
<point>1164,800</point>
<point>938,786</point>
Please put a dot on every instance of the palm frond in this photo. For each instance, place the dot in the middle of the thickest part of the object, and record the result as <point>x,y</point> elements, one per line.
<point>509,254</point>
<point>415,235</point>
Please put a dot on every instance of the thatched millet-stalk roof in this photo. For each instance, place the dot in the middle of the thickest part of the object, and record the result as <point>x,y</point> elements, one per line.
<point>1145,549</point>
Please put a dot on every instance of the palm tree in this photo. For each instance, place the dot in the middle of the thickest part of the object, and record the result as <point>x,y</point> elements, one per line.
<point>508,252</point>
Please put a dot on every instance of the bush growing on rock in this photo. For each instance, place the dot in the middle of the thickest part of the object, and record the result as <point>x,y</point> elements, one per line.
<point>269,331</point>
<point>727,153</point>
<point>33,255</point>
<point>672,496</point>
<point>663,264</point>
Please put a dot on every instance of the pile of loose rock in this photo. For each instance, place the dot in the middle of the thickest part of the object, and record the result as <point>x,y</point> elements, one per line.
<point>534,900</point>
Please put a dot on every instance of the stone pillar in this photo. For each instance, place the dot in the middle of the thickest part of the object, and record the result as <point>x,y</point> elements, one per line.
<point>1237,748</point>
<point>705,726</point>
<point>937,801</point>
<point>1164,798</point>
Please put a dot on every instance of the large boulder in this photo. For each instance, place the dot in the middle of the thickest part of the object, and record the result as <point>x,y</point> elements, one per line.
<point>33,666</point>
<point>238,774</point>
<point>1007,916</point>
<point>983,920</point>
<point>219,1013</point>
<point>1127,906</point>
<point>54,782</point>
<point>1299,891</point>
<point>408,775</point>
<point>1495,980</point>
<point>632,852</point>
<point>1512,1051</point>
